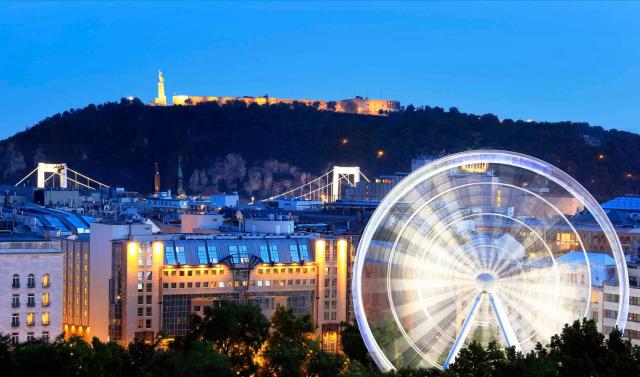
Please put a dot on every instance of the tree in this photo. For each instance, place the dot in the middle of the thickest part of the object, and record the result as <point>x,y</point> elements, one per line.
<point>352,344</point>
<point>238,331</point>
<point>290,343</point>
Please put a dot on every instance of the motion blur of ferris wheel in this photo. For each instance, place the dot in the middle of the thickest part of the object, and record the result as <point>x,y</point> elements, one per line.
<point>479,246</point>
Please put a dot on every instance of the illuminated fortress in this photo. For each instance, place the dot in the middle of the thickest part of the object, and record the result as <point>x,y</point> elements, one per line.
<point>357,105</point>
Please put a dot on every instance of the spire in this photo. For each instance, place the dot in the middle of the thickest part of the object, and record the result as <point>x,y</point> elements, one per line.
<point>180,188</point>
<point>156,179</point>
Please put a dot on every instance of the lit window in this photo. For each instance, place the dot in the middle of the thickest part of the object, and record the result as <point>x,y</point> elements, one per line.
<point>213,256</point>
<point>45,299</point>
<point>264,253</point>
<point>182,257</point>
<point>169,255</point>
<point>304,253</point>
<point>295,257</point>
<point>244,254</point>
<point>31,319</point>
<point>202,255</point>
<point>233,251</point>
<point>273,252</point>
<point>46,281</point>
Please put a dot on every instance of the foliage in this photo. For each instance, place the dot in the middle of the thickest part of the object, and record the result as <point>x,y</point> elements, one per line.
<point>264,149</point>
<point>289,349</point>
<point>235,330</point>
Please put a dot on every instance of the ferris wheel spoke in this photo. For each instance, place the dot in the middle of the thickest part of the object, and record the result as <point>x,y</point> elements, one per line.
<point>504,323</point>
<point>464,331</point>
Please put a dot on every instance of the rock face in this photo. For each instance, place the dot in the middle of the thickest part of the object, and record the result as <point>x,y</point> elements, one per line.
<point>262,150</point>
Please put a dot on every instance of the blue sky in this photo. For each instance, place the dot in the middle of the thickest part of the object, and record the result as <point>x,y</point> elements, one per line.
<point>545,61</point>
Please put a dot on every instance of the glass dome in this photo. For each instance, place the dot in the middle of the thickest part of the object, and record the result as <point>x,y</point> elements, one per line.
<point>484,246</point>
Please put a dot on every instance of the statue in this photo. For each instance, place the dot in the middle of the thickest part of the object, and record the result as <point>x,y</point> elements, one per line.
<point>160,77</point>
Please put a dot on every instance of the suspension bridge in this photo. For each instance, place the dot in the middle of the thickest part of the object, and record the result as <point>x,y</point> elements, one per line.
<point>325,188</point>
<point>46,173</point>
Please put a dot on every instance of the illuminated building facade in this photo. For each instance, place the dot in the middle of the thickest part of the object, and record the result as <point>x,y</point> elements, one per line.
<point>31,296</point>
<point>156,281</point>
<point>357,105</point>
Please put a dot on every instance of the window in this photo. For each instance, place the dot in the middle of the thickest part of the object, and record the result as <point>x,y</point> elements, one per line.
<point>264,253</point>
<point>304,253</point>
<point>45,319</point>
<point>148,312</point>
<point>15,320</point>
<point>15,338</point>
<point>46,281</point>
<point>15,301</point>
<point>15,283</point>
<point>140,312</point>
<point>31,319</point>
<point>148,300</point>
<point>148,323</point>
<point>611,297</point>
<point>295,257</point>
<point>202,255</point>
<point>182,257</point>
<point>233,250</point>
<point>273,252</point>
<point>45,336</point>
<point>244,254</point>
<point>213,255</point>
<point>31,300</point>
<point>31,281</point>
<point>169,255</point>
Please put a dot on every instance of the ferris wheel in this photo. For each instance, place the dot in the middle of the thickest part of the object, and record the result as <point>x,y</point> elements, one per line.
<point>480,246</point>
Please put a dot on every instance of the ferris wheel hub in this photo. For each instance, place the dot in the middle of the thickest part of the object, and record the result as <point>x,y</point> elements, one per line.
<point>485,282</point>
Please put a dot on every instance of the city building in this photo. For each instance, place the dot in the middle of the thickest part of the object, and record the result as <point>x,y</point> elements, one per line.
<point>357,105</point>
<point>144,284</point>
<point>31,296</point>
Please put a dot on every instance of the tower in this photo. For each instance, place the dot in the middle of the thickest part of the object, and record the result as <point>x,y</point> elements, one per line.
<point>180,186</point>
<point>156,179</point>
<point>161,99</point>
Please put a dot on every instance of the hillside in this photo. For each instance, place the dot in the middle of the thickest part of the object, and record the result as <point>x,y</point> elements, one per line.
<point>260,150</point>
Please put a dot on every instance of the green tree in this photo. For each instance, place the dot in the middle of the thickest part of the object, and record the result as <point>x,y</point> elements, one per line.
<point>290,344</point>
<point>235,330</point>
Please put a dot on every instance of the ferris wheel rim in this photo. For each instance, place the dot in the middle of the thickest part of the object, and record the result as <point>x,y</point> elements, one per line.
<point>519,160</point>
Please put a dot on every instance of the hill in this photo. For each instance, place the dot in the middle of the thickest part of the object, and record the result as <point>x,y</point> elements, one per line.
<point>265,149</point>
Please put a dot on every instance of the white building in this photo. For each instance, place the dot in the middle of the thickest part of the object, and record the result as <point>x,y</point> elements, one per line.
<point>31,293</point>
<point>272,224</point>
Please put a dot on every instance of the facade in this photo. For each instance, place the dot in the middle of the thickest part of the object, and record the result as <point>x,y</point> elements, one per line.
<point>31,271</point>
<point>150,284</point>
<point>357,105</point>
<point>608,300</point>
